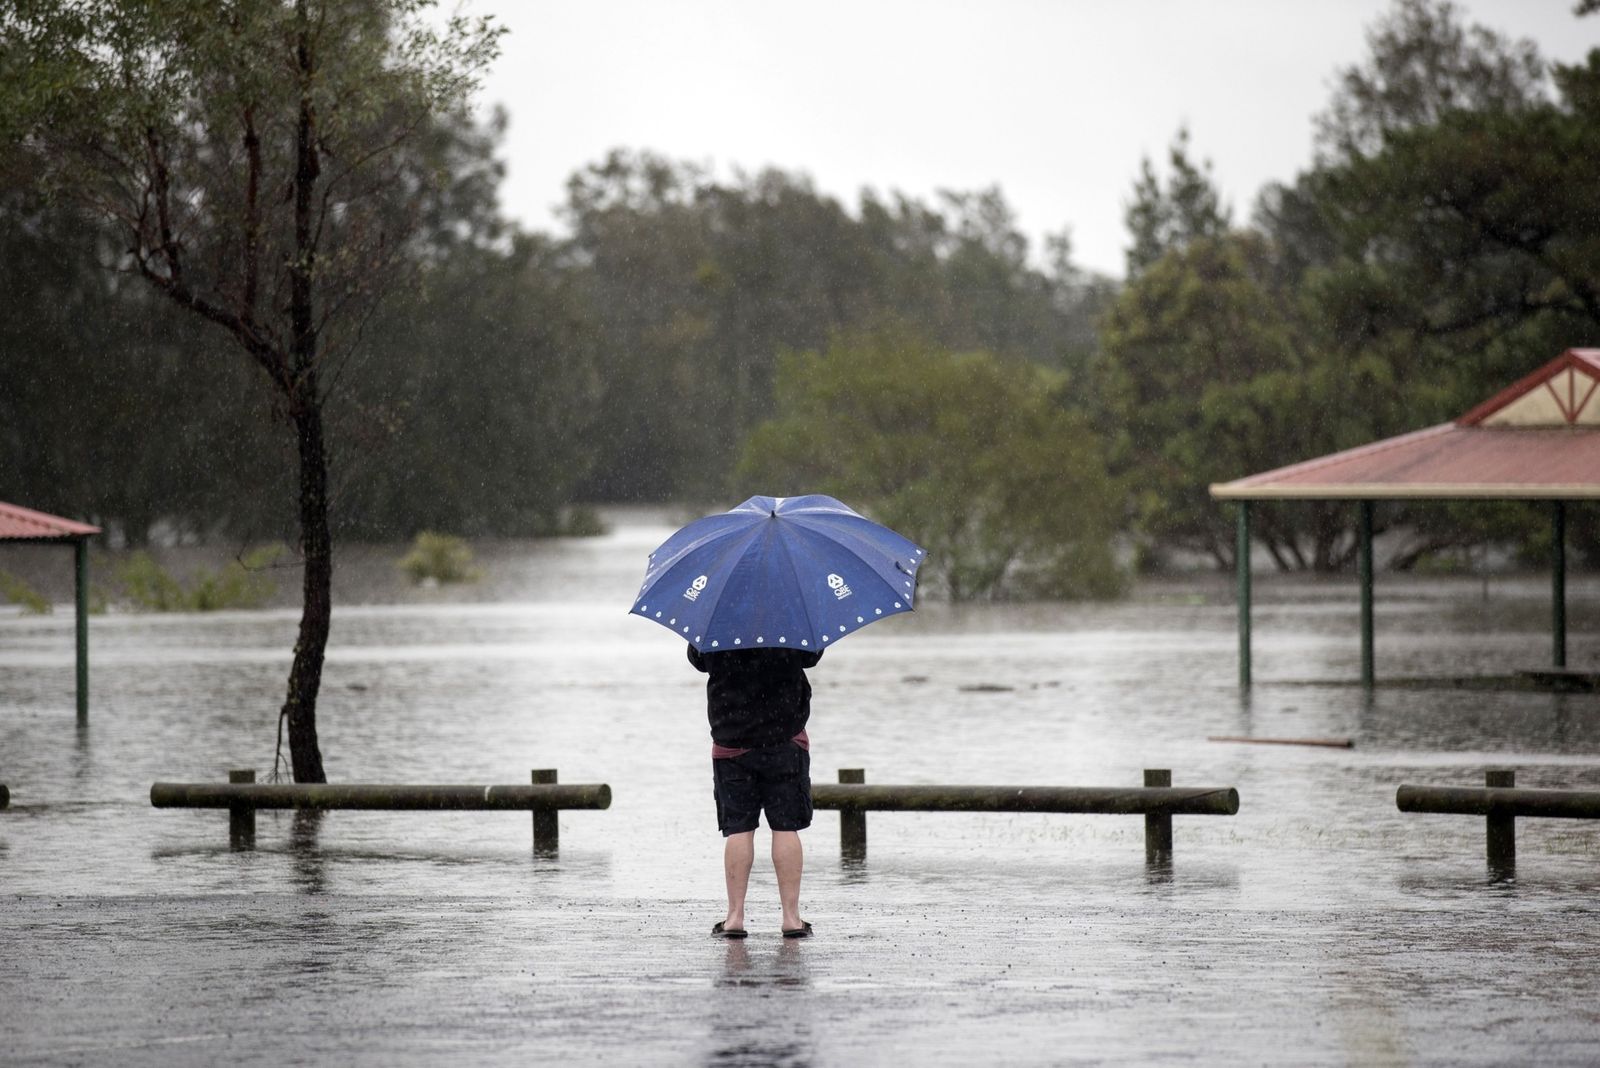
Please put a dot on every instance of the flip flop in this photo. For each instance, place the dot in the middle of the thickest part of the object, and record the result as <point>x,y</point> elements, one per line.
<point>719,931</point>
<point>803,931</point>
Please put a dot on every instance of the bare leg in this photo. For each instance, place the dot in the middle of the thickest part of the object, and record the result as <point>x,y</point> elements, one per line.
<point>787,860</point>
<point>738,854</point>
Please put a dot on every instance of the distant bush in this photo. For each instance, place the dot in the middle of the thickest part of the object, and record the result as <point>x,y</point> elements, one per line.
<point>441,558</point>
<point>581,521</point>
<point>18,592</point>
<point>146,586</point>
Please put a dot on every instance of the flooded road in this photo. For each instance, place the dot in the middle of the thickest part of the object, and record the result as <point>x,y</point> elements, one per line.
<point>1318,926</point>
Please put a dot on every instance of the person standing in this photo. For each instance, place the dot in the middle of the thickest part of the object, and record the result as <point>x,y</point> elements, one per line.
<point>758,702</point>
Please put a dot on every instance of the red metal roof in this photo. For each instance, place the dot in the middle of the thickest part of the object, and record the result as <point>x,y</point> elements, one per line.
<point>18,522</point>
<point>1538,438</point>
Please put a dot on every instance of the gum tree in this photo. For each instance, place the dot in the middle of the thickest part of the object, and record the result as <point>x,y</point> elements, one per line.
<point>262,164</point>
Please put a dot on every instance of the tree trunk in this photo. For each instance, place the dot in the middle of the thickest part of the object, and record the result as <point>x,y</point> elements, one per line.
<point>305,407</point>
<point>316,548</point>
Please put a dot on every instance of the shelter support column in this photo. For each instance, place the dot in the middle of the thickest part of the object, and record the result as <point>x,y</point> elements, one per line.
<point>81,552</point>
<point>1558,582</point>
<point>1364,564</point>
<point>1241,565</point>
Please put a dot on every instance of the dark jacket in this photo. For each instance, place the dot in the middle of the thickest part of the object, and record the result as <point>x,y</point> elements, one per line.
<point>756,697</point>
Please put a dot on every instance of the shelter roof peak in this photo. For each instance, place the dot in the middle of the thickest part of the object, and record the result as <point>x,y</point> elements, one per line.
<point>1564,392</point>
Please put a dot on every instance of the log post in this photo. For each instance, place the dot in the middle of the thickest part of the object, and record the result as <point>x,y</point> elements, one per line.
<point>853,821</point>
<point>1158,825</point>
<point>1501,828</point>
<point>242,816</point>
<point>546,826</point>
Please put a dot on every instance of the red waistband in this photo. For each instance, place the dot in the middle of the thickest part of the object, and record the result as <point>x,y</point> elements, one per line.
<point>722,752</point>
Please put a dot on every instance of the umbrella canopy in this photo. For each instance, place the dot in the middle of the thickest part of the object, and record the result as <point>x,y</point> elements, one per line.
<point>778,572</point>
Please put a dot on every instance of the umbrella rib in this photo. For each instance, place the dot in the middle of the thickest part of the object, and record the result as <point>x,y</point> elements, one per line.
<point>805,608</point>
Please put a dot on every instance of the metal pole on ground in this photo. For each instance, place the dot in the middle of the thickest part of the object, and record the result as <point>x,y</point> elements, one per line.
<point>1157,825</point>
<point>81,553</point>
<point>1502,829</point>
<point>1558,582</point>
<point>853,821</point>
<point>242,817</point>
<point>546,826</point>
<point>1364,557</point>
<point>1241,565</point>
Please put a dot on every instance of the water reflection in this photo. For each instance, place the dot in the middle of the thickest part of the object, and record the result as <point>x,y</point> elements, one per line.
<point>1158,869</point>
<point>759,1017</point>
<point>82,765</point>
<point>310,866</point>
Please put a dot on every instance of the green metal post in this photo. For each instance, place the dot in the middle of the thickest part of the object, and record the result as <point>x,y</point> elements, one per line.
<point>1558,581</point>
<point>1364,559</point>
<point>81,550</point>
<point>1241,566</point>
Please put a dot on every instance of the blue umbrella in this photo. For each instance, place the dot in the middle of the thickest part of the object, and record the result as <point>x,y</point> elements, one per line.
<point>779,573</point>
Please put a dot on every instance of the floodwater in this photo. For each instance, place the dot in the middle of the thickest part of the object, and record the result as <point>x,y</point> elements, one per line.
<point>1319,926</point>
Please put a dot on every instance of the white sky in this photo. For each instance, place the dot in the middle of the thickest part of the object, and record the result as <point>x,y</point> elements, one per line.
<point>1055,102</point>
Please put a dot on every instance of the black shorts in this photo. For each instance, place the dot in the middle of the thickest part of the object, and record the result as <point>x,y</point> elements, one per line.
<point>776,778</point>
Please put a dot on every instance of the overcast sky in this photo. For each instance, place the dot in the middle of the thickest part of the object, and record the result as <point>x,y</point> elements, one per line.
<point>1054,102</point>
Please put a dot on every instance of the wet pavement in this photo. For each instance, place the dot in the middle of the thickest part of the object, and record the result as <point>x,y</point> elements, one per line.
<point>1318,926</point>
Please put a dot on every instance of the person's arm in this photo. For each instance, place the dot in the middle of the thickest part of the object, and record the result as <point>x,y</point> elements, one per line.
<point>697,659</point>
<point>809,659</point>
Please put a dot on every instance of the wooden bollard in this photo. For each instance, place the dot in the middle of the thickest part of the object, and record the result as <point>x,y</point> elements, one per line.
<point>853,821</point>
<point>1157,825</point>
<point>546,828</point>
<point>1501,827</point>
<point>242,817</point>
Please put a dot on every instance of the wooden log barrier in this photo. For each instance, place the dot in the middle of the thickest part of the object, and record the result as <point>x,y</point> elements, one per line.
<point>1158,802</point>
<point>1500,803</point>
<point>242,796</point>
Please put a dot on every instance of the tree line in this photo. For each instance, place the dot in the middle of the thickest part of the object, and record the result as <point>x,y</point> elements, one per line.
<point>694,337</point>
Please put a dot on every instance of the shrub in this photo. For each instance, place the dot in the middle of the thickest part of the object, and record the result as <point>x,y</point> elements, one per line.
<point>147,586</point>
<point>18,592</point>
<point>441,558</point>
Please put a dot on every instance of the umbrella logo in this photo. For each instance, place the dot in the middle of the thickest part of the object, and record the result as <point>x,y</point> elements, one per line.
<point>693,592</point>
<point>836,584</point>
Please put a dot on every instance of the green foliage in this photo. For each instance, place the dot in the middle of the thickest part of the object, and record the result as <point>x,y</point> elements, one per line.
<point>973,456</point>
<point>1211,372</point>
<point>1423,65</point>
<point>146,586</point>
<point>695,287</point>
<point>1162,218</point>
<point>439,558</point>
<point>18,592</point>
